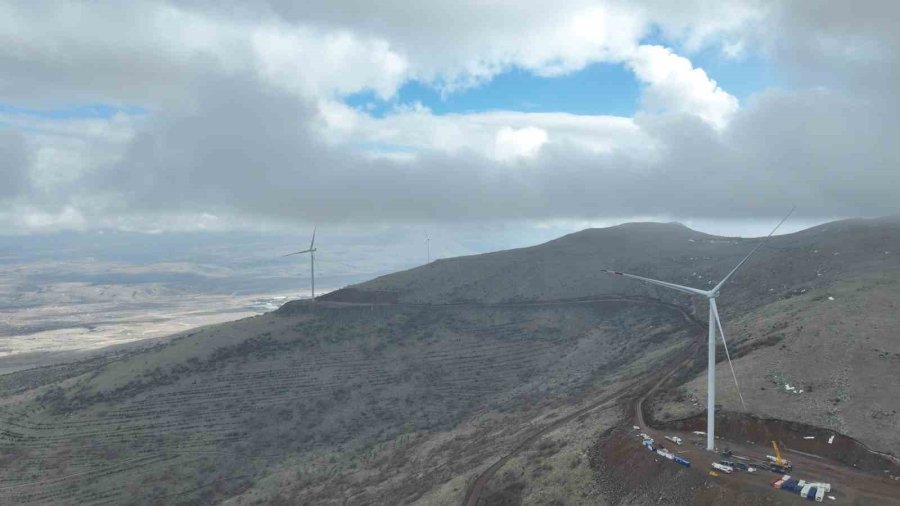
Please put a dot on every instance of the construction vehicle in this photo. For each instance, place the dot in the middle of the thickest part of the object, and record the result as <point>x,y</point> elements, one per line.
<point>779,464</point>
<point>725,469</point>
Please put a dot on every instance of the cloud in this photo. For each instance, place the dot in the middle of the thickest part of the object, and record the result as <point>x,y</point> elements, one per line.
<point>674,85</point>
<point>511,143</point>
<point>13,164</point>
<point>245,121</point>
<point>248,150</point>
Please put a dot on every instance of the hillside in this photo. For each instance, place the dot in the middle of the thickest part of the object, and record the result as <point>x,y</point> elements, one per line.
<point>815,309</point>
<point>570,267</point>
<point>206,414</point>
<point>401,389</point>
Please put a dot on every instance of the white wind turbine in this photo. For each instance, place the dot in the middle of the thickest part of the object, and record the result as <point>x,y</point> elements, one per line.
<point>711,296</point>
<point>428,247</point>
<point>312,262</point>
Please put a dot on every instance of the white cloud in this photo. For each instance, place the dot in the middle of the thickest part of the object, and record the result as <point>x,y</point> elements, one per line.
<point>674,85</point>
<point>323,64</point>
<point>511,144</point>
<point>418,129</point>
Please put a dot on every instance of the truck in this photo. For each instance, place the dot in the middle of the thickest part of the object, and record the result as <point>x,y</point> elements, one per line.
<point>665,453</point>
<point>724,469</point>
<point>675,439</point>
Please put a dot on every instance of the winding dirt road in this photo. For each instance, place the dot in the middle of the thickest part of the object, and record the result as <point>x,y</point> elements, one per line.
<point>639,389</point>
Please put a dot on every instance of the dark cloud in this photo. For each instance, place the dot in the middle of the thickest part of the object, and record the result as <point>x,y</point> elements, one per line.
<point>249,150</point>
<point>233,143</point>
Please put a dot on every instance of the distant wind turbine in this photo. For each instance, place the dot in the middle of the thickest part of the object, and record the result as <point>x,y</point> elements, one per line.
<point>428,246</point>
<point>312,263</point>
<point>714,321</point>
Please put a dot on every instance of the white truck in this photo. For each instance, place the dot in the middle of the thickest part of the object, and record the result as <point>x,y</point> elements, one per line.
<point>723,468</point>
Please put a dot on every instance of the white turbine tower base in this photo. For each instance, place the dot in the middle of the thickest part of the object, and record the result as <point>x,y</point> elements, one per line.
<point>714,321</point>
<point>312,263</point>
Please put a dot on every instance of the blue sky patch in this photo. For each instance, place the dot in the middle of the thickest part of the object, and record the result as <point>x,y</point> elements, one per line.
<point>597,89</point>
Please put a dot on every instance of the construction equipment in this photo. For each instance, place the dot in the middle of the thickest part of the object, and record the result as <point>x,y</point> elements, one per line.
<point>720,467</point>
<point>780,464</point>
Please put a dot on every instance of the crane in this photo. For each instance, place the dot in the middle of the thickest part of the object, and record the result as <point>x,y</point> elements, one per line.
<point>781,463</point>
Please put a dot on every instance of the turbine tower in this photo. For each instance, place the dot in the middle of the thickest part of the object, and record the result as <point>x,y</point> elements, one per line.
<point>428,247</point>
<point>312,263</point>
<point>714,321</point>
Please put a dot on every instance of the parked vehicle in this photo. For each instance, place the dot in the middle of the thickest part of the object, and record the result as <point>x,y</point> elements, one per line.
<point>682,461</point>
<point>724,469</point>
<point>675,439</point>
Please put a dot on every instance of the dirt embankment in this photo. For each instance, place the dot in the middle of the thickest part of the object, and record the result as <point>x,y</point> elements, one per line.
<point>627,474</point>
<point>791,437</point>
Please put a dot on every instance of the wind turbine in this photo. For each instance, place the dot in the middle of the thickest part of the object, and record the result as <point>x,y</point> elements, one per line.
<point>312,262</point>
<point>428,246</point>
<point>714,321</point>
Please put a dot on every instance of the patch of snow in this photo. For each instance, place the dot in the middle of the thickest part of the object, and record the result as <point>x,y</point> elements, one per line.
<point>830,297</point>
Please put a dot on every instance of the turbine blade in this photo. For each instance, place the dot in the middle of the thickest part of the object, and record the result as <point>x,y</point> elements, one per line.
<point>666,284</point>
<point>727,355</point>
<point>738,266</point>
<point>297,253</point>
<point>312,244</point>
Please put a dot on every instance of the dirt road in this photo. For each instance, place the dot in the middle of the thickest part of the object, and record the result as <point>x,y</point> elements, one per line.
<point>640,388</point>
<point>851,486</point>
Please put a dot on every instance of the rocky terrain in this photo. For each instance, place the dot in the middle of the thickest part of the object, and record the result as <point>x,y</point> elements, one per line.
<point>408,387</point>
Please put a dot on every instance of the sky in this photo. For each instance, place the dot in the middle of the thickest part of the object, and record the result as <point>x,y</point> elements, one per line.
<point>498,118</point>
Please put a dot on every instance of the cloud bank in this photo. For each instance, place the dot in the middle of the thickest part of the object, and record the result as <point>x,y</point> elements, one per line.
<point>242,118</point>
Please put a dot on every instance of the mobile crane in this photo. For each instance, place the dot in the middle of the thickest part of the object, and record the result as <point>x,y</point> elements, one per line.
<point>779,464</point>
